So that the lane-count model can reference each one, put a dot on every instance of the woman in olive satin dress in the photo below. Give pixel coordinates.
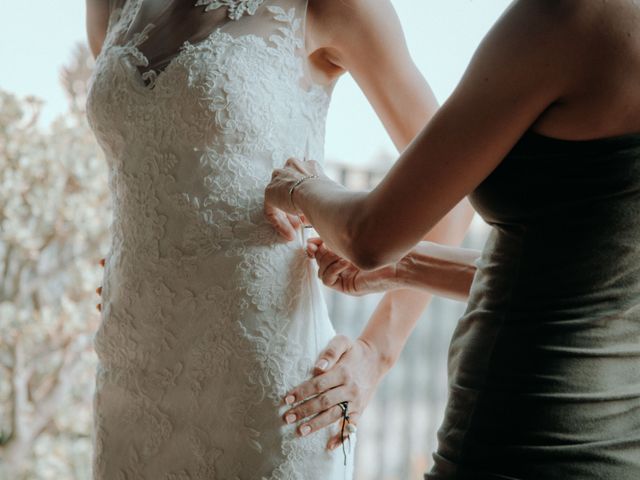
(543, 135)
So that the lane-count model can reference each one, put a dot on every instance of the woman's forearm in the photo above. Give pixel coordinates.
(438, 269)
(332, 209)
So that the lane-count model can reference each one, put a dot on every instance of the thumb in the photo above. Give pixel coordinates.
(312, 246)
(337, 347)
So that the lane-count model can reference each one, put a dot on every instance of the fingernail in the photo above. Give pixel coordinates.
(290, 399)
(322, 364)
(290, 418)
(99, 307)
(304, 430)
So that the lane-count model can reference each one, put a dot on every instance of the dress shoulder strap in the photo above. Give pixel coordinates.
(121, 15)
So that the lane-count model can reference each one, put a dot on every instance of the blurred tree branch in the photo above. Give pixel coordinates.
(54, 217)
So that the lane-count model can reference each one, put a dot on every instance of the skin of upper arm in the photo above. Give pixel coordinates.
(97, 20)
(524, 64)
(365, 38)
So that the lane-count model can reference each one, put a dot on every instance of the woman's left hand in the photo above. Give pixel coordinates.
(282, 179)
(346, 371)
(284, 223)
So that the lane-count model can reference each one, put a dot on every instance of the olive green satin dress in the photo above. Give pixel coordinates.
(544, 366)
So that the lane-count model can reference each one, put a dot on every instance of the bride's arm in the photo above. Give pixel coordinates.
(365, 38)
(96, 24)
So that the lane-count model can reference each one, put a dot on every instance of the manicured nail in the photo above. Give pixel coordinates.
(102, 262)
(290, 399)
(290, 418)
(304, 430)
(99, 307)
(322, 364)
(99, 290)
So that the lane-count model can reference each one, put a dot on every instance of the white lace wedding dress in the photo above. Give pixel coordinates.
(208, 317)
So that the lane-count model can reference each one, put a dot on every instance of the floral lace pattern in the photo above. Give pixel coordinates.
(208, 318)
(235, 8)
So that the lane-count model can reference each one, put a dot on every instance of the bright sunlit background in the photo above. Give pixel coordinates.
(53, 193)
(36, 38)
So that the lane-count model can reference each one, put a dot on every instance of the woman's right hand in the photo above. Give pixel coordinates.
(343, 276)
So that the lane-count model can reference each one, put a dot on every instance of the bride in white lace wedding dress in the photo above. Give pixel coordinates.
(206, 314)
(208, 317)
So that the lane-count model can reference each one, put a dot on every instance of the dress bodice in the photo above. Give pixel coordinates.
(244, 86)
(192, 146)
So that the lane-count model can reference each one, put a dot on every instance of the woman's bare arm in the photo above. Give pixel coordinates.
(529, 60)
(437, 269)
(96, 24)
(364, 37)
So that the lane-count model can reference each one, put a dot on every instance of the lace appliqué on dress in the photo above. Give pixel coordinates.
(236, 8)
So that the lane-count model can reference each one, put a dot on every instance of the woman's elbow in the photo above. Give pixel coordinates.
(367, 249)
(367, 245)
(367, 260)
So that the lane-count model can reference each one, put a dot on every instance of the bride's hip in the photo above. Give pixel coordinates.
(264, 293)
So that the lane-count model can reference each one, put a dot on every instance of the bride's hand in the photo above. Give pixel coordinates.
(277, 193)
(341, 275)
(346, 371)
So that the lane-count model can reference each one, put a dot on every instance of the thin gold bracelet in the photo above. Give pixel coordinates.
(295, 185)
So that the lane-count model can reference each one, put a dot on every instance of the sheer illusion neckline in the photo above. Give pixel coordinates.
(151, 81)
(156, 76)
(147, 80)
(138, 79)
